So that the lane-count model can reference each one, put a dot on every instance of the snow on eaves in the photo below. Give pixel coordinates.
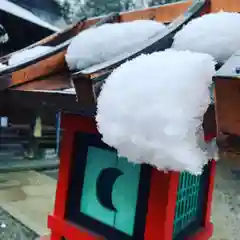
(25, 55)
(214, 33)
(16, 10)
(151, 109)
(28, 54)
(2, 66)
(69, 90)
(96, 45)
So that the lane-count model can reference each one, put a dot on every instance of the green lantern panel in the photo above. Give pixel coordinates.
(117, 207)
(107, 193)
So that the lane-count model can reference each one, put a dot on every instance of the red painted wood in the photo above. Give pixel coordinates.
(212, 174)
(208, 207)
(70, 123)
(55, 236)
(69, 231)
(209, 137)
(207, 8)
(64, 173)
(204, 233)
(161, 205)
(79, 123)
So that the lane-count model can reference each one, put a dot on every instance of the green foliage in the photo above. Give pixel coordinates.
(102, 7)
(72, 10)
(161, 2)
(66, 11)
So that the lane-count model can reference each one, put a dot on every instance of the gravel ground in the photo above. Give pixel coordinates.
(11, 229)
(226, 207)
(226, 201)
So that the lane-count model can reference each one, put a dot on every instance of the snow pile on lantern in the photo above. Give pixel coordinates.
(96, 45)
(215, 34)
(28, 54)
(151, 109)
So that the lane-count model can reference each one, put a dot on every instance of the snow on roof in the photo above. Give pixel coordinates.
(151, 109)
(96, 45)
(28, 54)
(69, 90)
(54, 91)
(24, 14)
(214, 33)
(2, 66)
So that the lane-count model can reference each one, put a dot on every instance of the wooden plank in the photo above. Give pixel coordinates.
(30, 199)
(227, 6)
(46, 66)
(227, 96)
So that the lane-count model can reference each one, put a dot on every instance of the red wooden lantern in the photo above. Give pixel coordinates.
(133, 202)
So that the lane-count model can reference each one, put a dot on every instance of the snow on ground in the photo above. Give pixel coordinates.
(14, 9)
(213, 33)
(28, 54)
(96, 45)
(156, 107)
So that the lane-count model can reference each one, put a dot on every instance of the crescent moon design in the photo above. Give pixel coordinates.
(104, 188)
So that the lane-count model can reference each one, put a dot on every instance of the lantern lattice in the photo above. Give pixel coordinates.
(189, 204)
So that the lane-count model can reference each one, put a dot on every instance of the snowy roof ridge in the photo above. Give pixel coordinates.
(24, 14)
